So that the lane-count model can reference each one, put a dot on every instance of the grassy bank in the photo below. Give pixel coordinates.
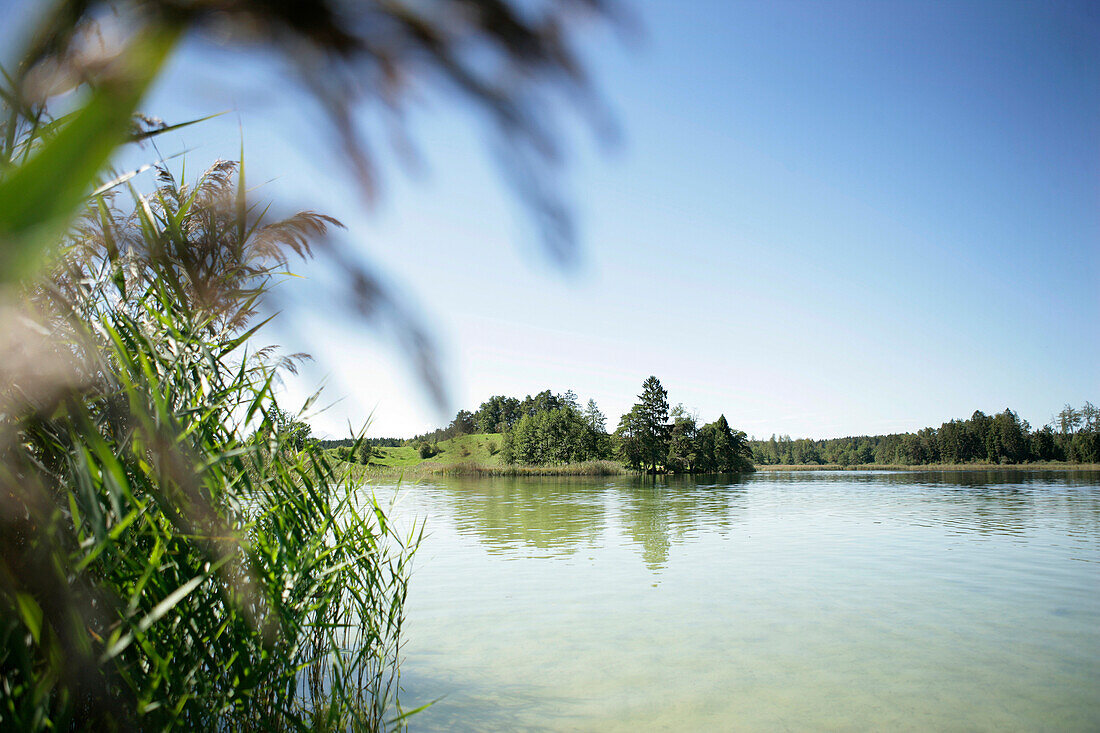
(468, 455)
(474, 468)
(1037, 466)
(482, 448)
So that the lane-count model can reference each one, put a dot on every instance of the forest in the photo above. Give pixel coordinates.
(555, 429)
(1073, 436)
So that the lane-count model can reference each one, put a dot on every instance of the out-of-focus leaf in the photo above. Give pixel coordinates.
(31, 614)
(39, 198)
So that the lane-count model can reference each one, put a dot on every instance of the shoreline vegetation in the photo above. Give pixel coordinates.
(613, 468)
(922, 467)
(478, 455)
(181, 556)
(476, 468)
(552, 435)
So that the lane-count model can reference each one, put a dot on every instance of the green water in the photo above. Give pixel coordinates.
(826, 601)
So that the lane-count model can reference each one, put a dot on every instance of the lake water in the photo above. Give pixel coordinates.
(780, 601)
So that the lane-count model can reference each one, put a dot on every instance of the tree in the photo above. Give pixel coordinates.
(1009, 438)
(1069, 420)
(599, 442)
(953, 442)
(1090, 416)
(731, 453)
(497, 414)
(629, 438)
(595, 419)
(367, 451)
(291, 430)
(643, 432)
(682, 441)
(463, 424)
(542, 402)
(1043, 445)
(569, 400)
(556, 435)
(1085, 446)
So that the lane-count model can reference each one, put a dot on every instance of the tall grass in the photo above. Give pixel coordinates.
(978, 466)
(167, 558)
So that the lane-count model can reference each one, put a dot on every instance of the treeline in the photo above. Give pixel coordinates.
(1073, 435)
(376, 442)
(647, 440)
(550, 428)
(498, 414)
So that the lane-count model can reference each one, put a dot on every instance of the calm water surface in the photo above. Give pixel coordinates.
(838, 601)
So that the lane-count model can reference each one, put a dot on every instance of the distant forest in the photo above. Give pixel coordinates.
(348, 442)
(549, 428)
(1073, 435)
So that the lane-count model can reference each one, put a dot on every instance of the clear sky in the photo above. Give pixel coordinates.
(823, 219)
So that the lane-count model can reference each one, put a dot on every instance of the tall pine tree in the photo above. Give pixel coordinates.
(643, 432)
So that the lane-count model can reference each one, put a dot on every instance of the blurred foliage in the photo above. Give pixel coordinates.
(510, 62)
(174, 551)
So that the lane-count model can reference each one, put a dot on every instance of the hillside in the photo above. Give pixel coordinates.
(477, 454)
(482, 448)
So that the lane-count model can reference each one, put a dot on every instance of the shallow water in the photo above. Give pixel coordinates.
(825, 600)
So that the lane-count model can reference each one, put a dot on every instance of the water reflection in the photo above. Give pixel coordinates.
(556, 516)
(1007, 502)
(825, 600)
(1051, 479)
(655, 512)
(552, 515)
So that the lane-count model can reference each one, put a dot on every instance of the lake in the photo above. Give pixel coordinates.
(797, 600)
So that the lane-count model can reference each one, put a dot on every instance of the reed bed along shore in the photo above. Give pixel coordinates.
(173, 555)
(477, 468)
(357, 472)
(1037, 466)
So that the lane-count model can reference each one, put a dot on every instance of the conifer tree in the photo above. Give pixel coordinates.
(595, 418)
(643, 431)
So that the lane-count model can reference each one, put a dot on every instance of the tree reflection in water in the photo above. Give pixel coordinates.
(556, 516)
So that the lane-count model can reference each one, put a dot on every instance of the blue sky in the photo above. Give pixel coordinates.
(823, 219)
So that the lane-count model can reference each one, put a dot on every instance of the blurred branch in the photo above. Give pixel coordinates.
(507, 60)
(513, 63)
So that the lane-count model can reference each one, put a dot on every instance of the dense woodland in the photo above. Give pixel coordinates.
(1073, 435)
(646, 439)
(349, 442)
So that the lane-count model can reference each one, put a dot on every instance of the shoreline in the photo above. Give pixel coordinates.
(1038, 466)
(613, 468)
(475, 468)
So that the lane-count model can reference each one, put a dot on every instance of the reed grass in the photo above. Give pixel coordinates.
(168, 559)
